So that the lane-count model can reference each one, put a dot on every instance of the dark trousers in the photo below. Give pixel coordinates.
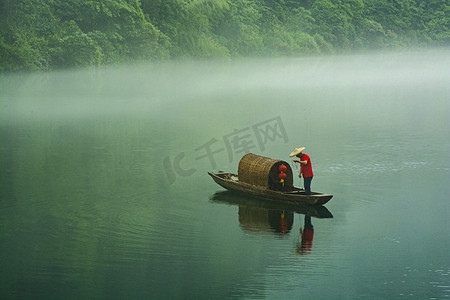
(307, 182)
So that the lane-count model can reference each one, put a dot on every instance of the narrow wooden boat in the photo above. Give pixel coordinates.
(290, 194)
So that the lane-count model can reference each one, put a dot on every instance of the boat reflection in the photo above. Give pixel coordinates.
(259, 215)
(256, 219)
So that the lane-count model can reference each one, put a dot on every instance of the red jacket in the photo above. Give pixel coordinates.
(306, 170)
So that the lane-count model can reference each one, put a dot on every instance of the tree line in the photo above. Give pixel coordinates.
(51, 34)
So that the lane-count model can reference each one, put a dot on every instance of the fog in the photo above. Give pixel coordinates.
(167, 88)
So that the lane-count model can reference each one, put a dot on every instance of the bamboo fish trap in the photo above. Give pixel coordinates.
(262, 171)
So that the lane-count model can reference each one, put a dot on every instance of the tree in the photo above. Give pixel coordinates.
(239, 30)
(46, 34)
(333, 22)
(58, 33)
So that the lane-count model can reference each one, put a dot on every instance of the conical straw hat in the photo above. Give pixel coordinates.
(297, 151)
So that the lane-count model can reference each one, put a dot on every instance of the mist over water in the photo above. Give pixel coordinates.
(104, 191)
(150, 88)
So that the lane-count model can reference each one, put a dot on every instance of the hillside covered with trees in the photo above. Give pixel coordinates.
(52, 34)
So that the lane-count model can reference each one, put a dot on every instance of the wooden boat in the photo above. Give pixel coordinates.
(290, 194)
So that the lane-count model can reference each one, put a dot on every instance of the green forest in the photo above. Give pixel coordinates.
(54, 34)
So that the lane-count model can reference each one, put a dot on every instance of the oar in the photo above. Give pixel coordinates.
(297, 169)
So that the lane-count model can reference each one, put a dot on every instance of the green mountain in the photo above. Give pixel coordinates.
(52, 34)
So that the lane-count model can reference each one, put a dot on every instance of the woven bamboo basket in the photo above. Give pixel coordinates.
(262, 171)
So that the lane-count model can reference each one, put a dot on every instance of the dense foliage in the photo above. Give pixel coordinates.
(48, 34)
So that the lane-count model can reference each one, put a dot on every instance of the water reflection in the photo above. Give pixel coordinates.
(304, 245)
(256, 219)
(227, 197)
(262, 216)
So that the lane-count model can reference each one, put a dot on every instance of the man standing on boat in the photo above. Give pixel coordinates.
(305, 168)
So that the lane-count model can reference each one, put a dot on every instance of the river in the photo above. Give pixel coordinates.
(105, 192)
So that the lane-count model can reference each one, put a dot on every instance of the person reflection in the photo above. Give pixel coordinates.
(307, 234)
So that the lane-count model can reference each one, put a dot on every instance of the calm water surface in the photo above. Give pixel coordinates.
(105, 192)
